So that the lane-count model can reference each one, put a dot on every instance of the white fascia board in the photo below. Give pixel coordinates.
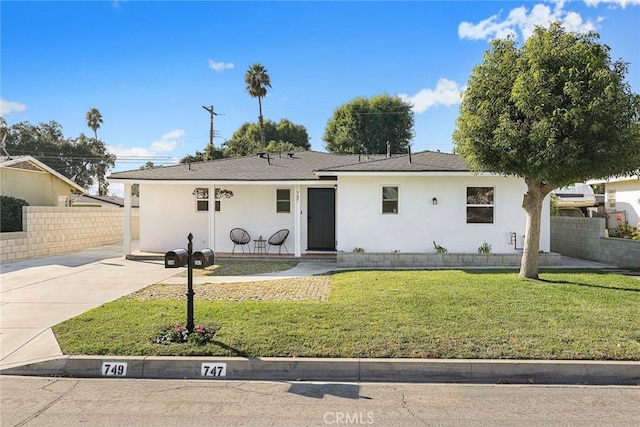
(196, 182)
(614, 179)
(400, 173)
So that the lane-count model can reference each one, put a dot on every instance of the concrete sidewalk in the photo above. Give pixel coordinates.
(39, 293)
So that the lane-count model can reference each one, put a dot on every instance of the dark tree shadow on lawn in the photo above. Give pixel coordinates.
(233, 350)
(589, 285)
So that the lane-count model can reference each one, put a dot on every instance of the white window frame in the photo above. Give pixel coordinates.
(202, 196)
(396, 200)
(288, 200)
(611, 197)
(491, 205)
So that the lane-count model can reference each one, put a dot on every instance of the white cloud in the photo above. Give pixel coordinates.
(121, 151)
(622, 3)
(220, 66)
(523, 21)
(8, 107)
(168, 141)
(446, 93)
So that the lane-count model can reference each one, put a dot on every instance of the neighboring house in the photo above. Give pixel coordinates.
(332, 202)
(27, 178)
(622, 195)
(87, 200)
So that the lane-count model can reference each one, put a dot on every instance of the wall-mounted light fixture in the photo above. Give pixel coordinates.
(434, 201)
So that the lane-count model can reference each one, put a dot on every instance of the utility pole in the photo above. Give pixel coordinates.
(213, 113)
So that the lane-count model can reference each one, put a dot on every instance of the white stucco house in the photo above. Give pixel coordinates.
(622, 194)
(331, 202)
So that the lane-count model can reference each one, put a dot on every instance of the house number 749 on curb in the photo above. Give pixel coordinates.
(213, 370)
(114, 369)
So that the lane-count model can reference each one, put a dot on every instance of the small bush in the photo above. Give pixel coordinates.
(11, 213)
(484, 248)
(625, 231)
(439, 249)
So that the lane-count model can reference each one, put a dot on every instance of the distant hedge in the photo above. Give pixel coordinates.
(11, 213)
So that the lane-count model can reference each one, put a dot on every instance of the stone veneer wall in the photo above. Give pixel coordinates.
(425, 260)
(53, 230)
(586, 238)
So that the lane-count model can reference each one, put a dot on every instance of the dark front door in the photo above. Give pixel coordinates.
(321, 219)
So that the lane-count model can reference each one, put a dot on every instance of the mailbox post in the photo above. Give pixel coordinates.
(186, 257)
(190, 293)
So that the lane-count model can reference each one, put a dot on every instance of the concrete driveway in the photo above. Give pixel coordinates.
(37, 294)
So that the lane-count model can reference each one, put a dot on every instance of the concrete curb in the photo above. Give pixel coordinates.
(344, 370)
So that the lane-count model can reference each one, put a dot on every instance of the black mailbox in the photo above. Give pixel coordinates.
(203, 258)
(176, 258)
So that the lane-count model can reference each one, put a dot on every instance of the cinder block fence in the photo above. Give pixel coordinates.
(53, 230)
(585, 238)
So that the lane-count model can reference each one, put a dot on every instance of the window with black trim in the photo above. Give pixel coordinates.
(283, 201)
(389, 200)
(480, 205)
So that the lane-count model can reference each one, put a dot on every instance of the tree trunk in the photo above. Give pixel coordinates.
(262, 137)
(532, 204)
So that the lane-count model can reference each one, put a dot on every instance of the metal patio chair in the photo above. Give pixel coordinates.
(240, 237)
(277, 239)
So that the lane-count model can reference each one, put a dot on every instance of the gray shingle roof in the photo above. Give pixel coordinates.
(301, 166)
(424, 161)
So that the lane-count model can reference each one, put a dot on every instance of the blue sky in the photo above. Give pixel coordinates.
(149, 67)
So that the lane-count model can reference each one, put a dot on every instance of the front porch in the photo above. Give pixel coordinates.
(228, 256)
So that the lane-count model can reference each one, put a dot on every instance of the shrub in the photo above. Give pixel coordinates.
(439, 249)
(11, 213)
(485, 248)
(625, 231)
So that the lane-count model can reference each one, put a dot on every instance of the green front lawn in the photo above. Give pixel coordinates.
(423, 314)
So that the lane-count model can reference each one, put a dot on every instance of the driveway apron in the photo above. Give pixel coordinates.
(39, 293)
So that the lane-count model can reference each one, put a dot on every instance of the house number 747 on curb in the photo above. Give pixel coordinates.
(213, 370)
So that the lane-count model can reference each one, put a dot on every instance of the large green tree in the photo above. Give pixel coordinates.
(258, 81)
(247, 139)
(83, 160)
(367, 125)
(554, 111)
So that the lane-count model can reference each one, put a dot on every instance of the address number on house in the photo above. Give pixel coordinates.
(213, 370)
(114, 369)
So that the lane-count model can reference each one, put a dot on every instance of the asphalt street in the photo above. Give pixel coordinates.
(34, 401)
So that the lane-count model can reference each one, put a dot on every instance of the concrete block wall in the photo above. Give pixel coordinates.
(430, 260)
(585, 238)
(49, 230)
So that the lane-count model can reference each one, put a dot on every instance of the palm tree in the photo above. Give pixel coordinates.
(258, 81)
(94, 120)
